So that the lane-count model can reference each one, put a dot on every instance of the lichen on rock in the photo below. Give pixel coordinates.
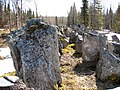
(34, 50)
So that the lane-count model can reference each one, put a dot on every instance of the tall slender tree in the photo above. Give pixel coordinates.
(84, 13)
(21, 14)
(72, 16)
(110, 18)
(9, 15)
(1, 12)
(36, 8)
(116, 21)
(106, 20)
(56, 20)
(96, 15)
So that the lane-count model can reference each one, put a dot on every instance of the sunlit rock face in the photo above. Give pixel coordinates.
(34, 50)
(90, 48)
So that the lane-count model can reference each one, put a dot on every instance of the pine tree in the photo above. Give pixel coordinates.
(33, 15)
(72, 16)
(116, 22)
(56, 20)
(24, 16)
(78, 18)
(29, 14)
(106, 20)
(1, 11)
(96, 15)
(84, 13)
(110, 18)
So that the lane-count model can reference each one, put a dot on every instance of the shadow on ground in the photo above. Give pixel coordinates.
(84, 69)
(105, 85)
(77, 54)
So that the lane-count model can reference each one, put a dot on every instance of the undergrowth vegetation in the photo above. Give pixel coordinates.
(69, 49)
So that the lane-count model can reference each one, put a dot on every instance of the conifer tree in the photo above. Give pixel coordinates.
(116, 22)
(1, 11)
(84, 13)
(96, 15)
(106, 20)
(72, 16)
(110, 18)
(29, 13)
(56, 20)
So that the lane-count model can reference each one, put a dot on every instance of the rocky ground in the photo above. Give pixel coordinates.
(75, 74)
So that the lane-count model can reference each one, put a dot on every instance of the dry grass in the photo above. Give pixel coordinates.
(68, 49)
(1, 57)
(9, 74)
(72, 80)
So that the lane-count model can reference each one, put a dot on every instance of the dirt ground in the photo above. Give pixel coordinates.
(76, 75)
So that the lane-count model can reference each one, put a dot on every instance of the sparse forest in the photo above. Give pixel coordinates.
(94, 17)
(91, 14)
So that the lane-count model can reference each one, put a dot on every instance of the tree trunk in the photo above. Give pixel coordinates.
(21, 15)
(9, 18)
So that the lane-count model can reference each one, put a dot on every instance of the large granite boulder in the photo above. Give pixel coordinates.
(34, 50)
(90, 48)
(108, 66)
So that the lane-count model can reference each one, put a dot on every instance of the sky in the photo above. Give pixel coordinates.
(62, 7)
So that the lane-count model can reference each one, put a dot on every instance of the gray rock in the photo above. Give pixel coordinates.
(78, 44)
(63, 42)
(116, 48)
(115, 38)
(108, 66)
(90, 48)
(73, 37)
(34, 50)
(67, 31)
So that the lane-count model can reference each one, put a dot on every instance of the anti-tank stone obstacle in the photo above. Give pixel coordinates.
(34, 49)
